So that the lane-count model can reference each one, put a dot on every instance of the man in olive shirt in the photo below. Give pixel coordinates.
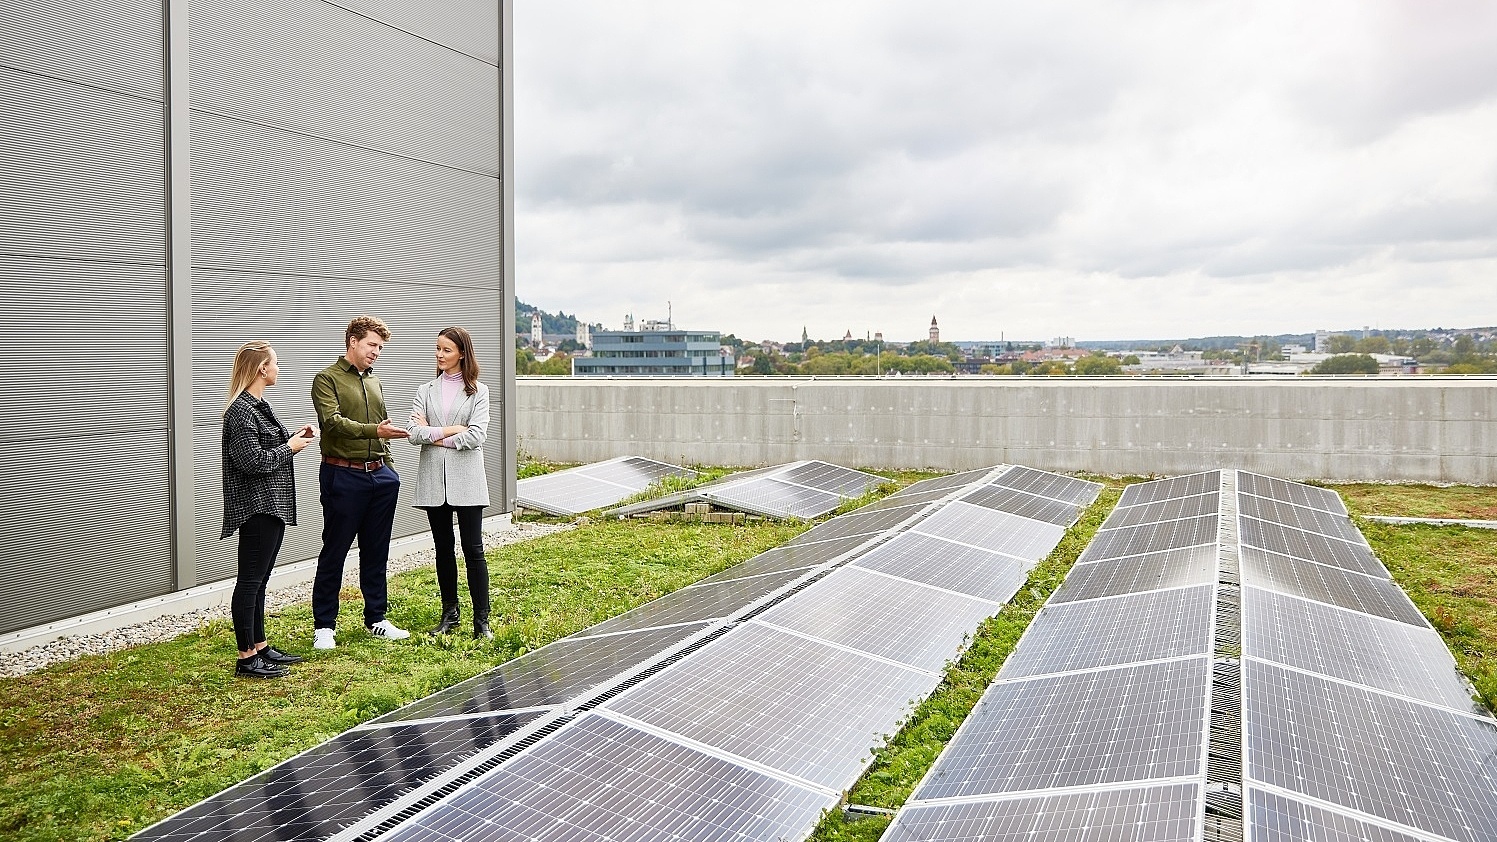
(359, 488)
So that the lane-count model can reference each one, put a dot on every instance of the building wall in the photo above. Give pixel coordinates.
(317, 162)
(1402, 430)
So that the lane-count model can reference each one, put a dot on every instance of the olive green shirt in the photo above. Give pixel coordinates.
(349, 408)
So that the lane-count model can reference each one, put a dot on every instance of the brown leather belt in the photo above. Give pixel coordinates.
(366, 467)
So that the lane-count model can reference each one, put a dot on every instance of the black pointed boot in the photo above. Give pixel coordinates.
(449, 620)
(481, 629)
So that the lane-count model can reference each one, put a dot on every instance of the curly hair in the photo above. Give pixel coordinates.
(361, 325)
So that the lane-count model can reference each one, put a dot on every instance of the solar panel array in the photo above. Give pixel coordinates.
(735, 708)
(1096, 727)
(805, 490)
(1227, 660)
(582, 489)
(1356, 723)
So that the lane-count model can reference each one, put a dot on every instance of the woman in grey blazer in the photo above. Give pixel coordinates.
(449, 422)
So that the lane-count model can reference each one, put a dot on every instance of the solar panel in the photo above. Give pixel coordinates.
(865, 522)
(1291, 492)
(699, 603)
(1152, 571)
(1174, 508)
(800, 706)
(944, 483)
(1312, 546)
(893, 618)
(997, 532)
(1418, 765)
(949, 565)
(601, 779)
(1182, 486)
(554, 674)
(1300, 517)
(1108, 632)
(1151, 538)
(1275, 818)
(1023, 504)
(1322, 583)
(792, 556)
(581, 489)
(1405, 659)
(1077, 492)
(771, 497)
(844, 482)
(1139, 814)
(1079, 729)
(320, 791)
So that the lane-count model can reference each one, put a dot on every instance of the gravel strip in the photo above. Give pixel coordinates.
(174, 625)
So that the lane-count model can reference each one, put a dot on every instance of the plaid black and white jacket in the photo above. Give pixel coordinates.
(258, 477)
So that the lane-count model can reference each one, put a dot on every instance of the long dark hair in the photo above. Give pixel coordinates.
(468, 365)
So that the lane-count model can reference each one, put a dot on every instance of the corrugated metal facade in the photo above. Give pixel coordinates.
(344, 159)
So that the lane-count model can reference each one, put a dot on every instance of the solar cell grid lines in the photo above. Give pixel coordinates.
(1159, 511)
(949, 565)
(601, 779)
(864, 522)
(1151, 571)
(1407, 660)
(554, 674)
(322, 790)
(581, 489)
(1418, 765)
(998, 532)
(1023, 504)
(1096, 633)
(1151, 538)
(1077, 492)
(792, 556)
(773, 497)
(806, 490)
(1129, 723)
(1310, 546)
(715, 601)
(1299, 517)
(1290, 492)
(1275, 818)
(1328, 584)
(1188, 485)
(804, 707)
(913, 624)
(1139, 814)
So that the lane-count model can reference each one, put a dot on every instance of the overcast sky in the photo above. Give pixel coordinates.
(1091, 168)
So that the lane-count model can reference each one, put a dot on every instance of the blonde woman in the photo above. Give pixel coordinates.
(259, 500)
(449, 421)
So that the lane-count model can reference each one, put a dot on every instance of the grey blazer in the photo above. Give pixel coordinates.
(452, 475)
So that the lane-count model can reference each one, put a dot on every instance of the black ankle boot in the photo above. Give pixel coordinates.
(450, 616)
(481, 629)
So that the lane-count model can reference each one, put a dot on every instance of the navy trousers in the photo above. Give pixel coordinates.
(355, 504)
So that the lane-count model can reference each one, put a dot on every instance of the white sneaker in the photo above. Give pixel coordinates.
(323, 639)
(388, 631)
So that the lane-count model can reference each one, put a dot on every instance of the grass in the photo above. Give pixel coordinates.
(100, 747)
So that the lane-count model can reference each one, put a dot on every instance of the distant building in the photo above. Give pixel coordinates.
(1322, 341)
(935, 331)
(537, 338)
(656, 353)
(584, 334)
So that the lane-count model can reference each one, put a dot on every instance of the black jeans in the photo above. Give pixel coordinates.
(355, 504)
(259, 542)
(470, 527)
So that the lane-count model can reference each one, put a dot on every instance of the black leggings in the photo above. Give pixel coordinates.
(259, 542)
(470, 526)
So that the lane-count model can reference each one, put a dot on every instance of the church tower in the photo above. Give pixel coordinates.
(535, 328)
(935, 332)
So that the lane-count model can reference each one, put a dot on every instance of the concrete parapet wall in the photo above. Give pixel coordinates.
(1423, 429)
